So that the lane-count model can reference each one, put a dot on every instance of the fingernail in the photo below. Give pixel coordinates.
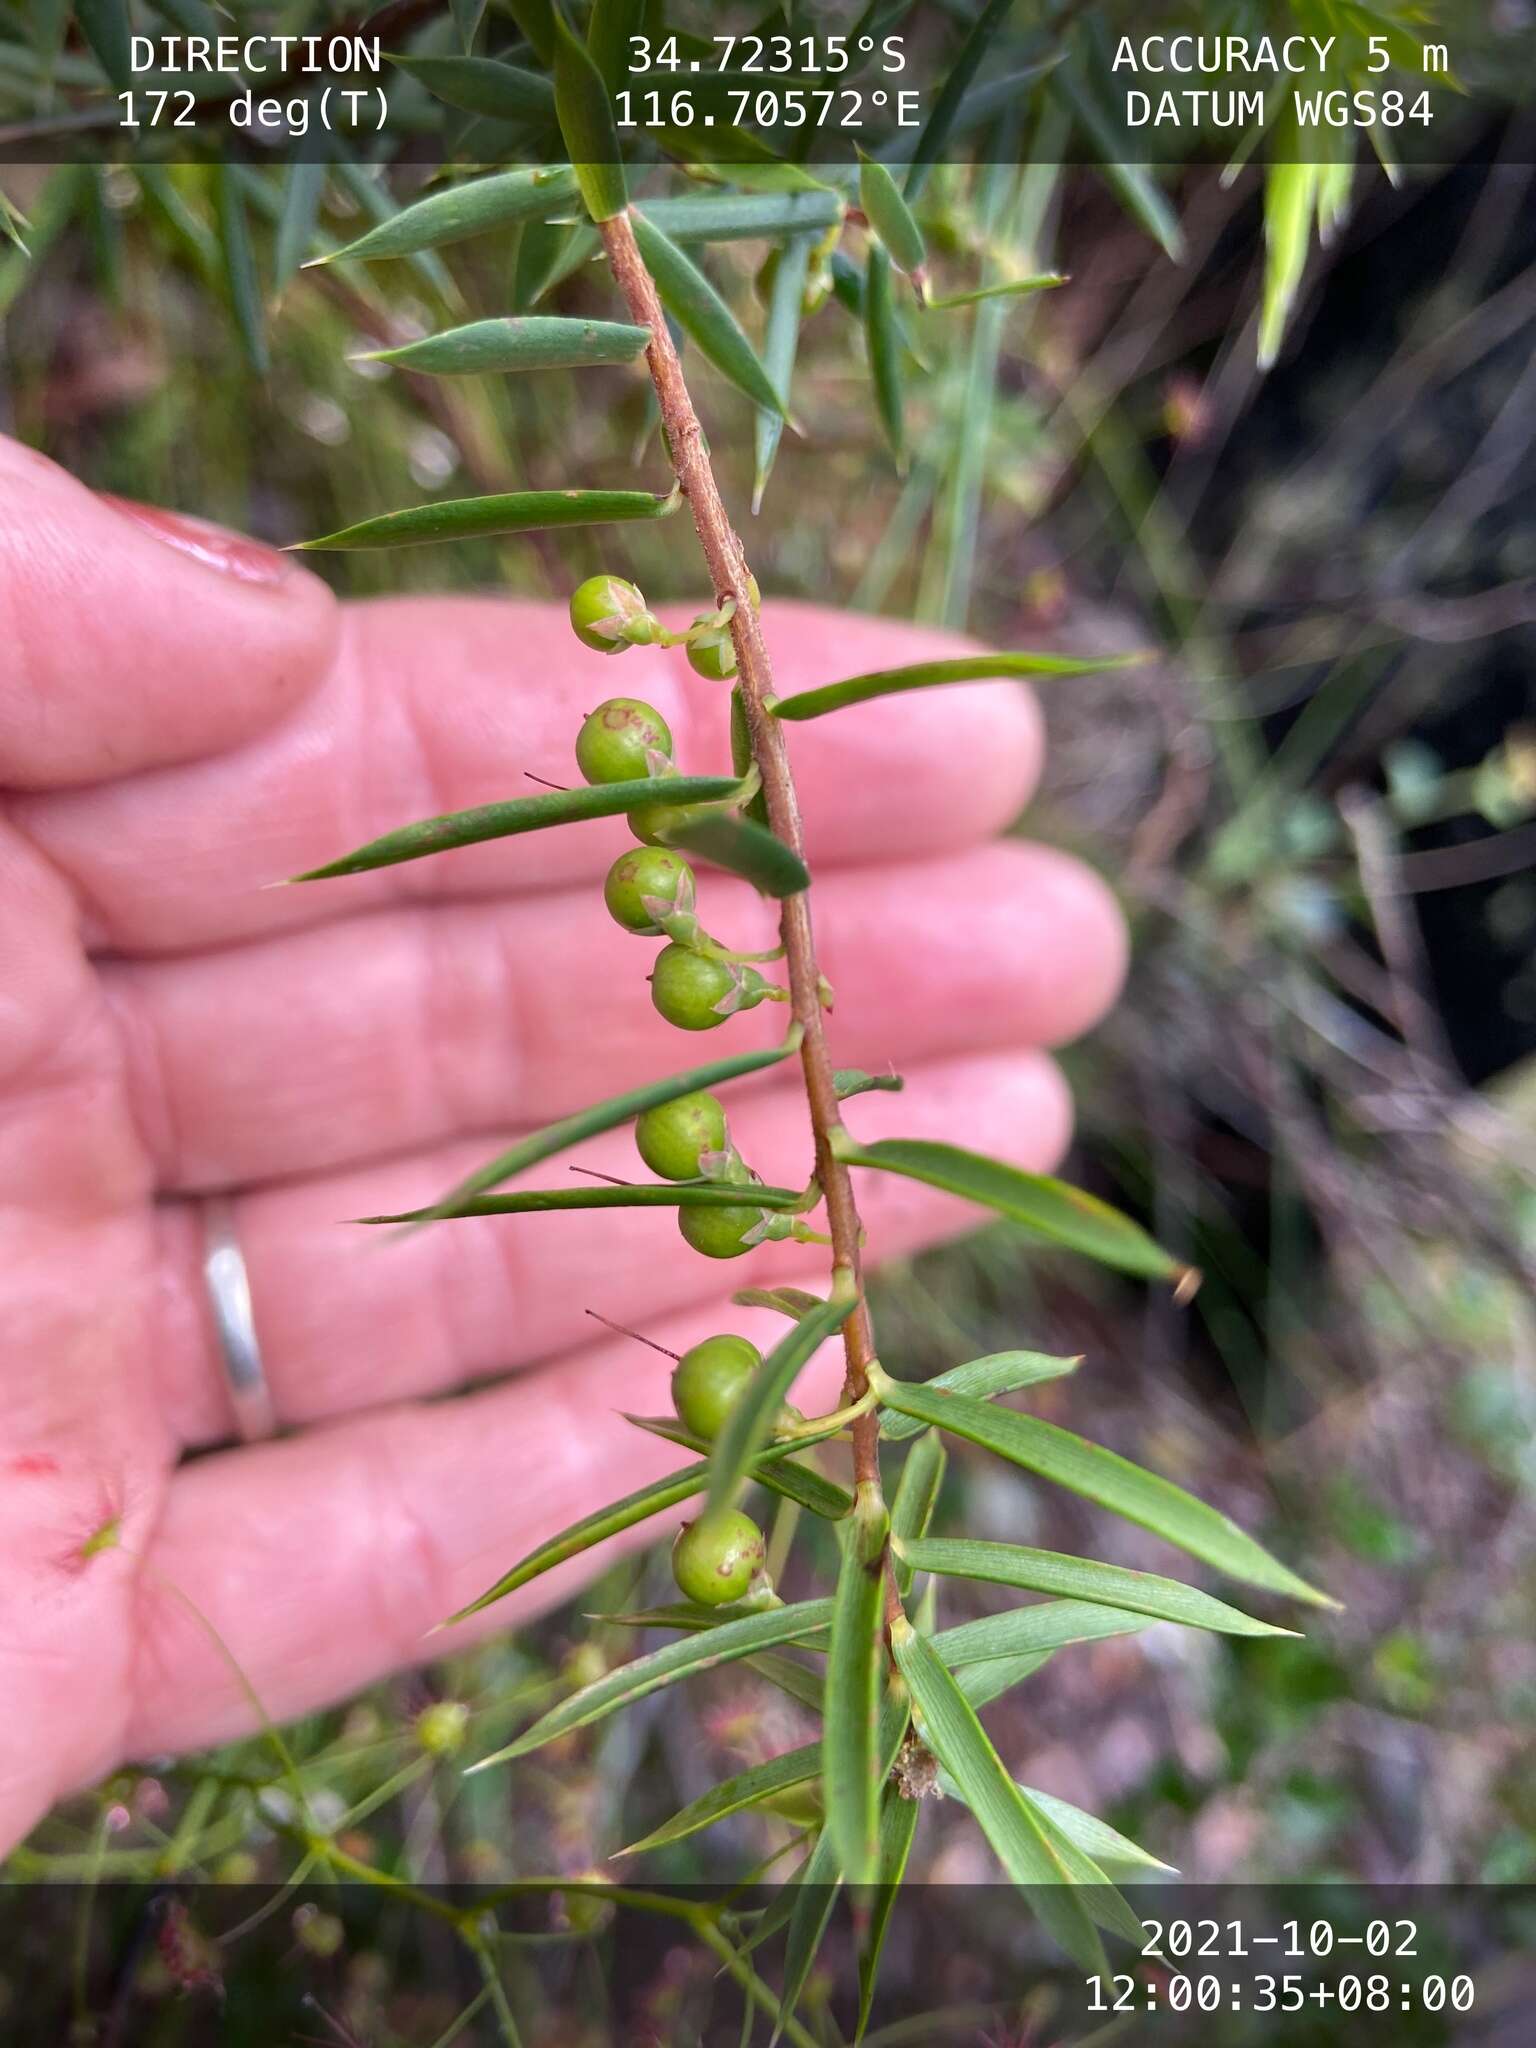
(232, 554)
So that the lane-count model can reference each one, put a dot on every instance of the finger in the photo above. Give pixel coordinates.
(351, 1318)
(131, 637)
(383, 1033)
(437, 704)
(318, 1565)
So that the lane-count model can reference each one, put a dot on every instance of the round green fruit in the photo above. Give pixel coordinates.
(696, 993)
(643, 883)
(716, 1558)
(673, 1137)
(609, 614)
(719, 1232)
(710, 1379)
(713, 654)
(623, 741)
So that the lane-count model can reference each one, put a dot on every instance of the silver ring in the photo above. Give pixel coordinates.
(229, 1296)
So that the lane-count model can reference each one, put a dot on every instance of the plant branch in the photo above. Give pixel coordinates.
(728, 569)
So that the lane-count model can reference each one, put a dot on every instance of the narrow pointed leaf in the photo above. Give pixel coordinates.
(1065, 1215)
(793, 1302)
(604, 1522)
(1115, 1854)
(1000, 1372)
(742, 759)
(751, 1421)
(1103, 1904)
(609, 28)
(851, 1081)
(755, 167)
(1011, 288)
(957, 81)
(883, 340)
(1081, 1578)
(518, 814)
(835, 1500)
(785, 1773)
(595, 1528)
(303, 189)
(923, 675)
(466, 20)
(540, 1201)
(378, 202)
(917, 1494)
(849, 1732)
(586, 123)
(1289, 194)
(898, 1826)
(104, 24)
(703, 315)
(643, 1675)
(1106, 1478)
(686, 1614)
(958, 1740)
(1132, 183)
(744, 216)
(889, 215)
(539, 342)
(239, 260)
(790, 1677)
(482, 85)
(474, 207)
(799, 1483)
(749, 1788)
(727, 840)
(607, 1115)
(536, 19)
(507, 512)
(781, 343)
(812, 1898)
(987, 1681)
(547, 254)
(1049, 1625)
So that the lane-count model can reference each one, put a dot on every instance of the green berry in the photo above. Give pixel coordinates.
(622, 741)
(442, 1727)
(673, 1137)
(712, 653)
(710, 1379)
(696, 993)
(716, 1558)
(651, 823)
(720, 1233)
(647, 883)
(609, 615)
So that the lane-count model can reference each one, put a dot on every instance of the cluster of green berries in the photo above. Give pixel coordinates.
(688, 1139)
(720, 1556)
(651, 892)
(695, 984)
(610, 615)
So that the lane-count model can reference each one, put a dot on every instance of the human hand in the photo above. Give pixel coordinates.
(184, 717)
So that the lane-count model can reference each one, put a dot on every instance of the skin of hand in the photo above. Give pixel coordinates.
(185, 717)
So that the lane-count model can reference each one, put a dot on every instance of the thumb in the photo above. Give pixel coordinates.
(132, 636)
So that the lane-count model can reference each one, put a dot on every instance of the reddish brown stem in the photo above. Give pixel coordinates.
(728, 569)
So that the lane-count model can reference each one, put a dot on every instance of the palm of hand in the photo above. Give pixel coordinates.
(184, 718)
